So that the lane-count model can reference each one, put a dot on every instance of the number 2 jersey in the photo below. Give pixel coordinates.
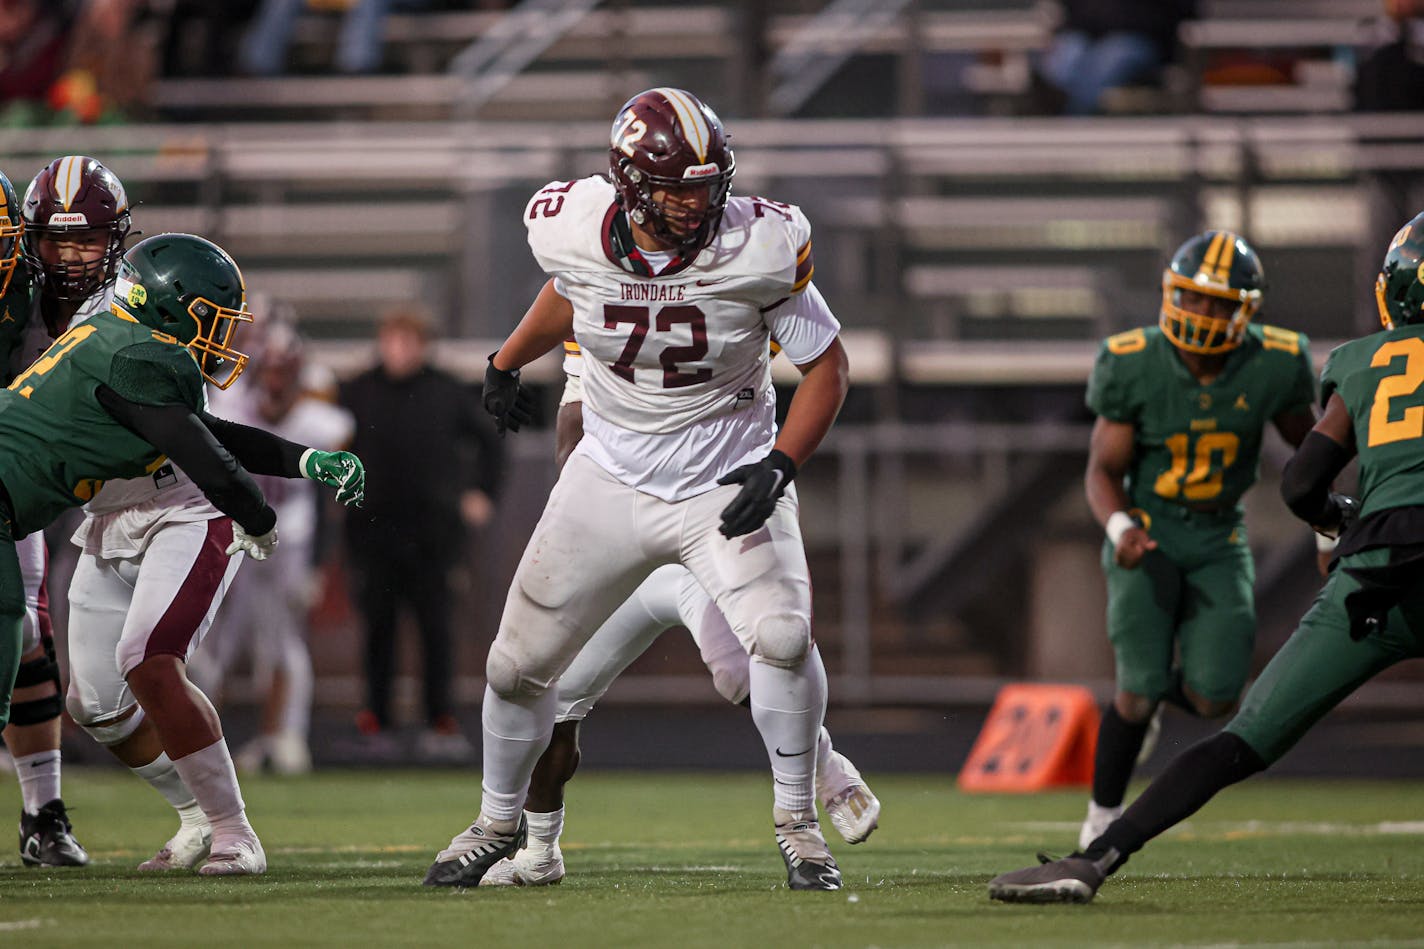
(1196, 444)
(676, 377)
(58, 445)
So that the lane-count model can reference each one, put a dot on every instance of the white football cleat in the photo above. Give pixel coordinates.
(528, 867)
(852, 807)
(184, 851)
(240, 856)
(809, 864)
(288, 753)
(1096, 822)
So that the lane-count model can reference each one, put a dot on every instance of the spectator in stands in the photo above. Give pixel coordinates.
(1390, 78)
(33, 37)
(432, 466)
(359, 49)
(1104, 44)
(201, 36)
(110, 64)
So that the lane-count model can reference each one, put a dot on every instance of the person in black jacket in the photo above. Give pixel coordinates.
(1103, 44)
(432, 463)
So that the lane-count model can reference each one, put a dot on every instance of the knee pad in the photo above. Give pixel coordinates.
(782, 639)
(730, 674)
(505, 677)
(108, 731)
(32, 673)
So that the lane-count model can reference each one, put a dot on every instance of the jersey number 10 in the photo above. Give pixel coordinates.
(1203, 482)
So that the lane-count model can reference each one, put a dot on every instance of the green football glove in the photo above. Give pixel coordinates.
(337, 469)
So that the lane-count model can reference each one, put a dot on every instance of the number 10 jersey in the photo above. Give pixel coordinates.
(676, 372)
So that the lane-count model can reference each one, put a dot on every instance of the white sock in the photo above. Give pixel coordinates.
(210, 775)
(39, 779)
(545, 829)
(515, 735)
(787, 707)
(162, 776)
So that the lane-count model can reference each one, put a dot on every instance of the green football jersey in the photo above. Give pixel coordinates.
(15, 308)
(57, 443)
(1381, 380)
(1197, 444)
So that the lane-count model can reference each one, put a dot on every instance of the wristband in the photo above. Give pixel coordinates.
(1118, 524)
(306, 472)
(1325, 544)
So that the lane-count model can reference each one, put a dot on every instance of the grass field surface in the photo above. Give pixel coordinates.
(689, 860)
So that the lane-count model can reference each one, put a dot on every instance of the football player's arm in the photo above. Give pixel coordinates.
(546, 324)
(1295, 424)
(175, 431)
(1322, 455)
(1109, 455)
(825, 381)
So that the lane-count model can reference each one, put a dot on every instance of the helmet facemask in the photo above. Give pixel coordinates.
(1200, 333)
(11, 237)
(218, 360)
(661, 219)
(71, 281)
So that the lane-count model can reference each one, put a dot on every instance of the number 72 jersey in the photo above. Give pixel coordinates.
(1195, 444)
(1381, 380)
(689, 343)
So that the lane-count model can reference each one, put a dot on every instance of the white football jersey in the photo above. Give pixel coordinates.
(676, 362)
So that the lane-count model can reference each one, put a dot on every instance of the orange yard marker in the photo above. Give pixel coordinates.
(1036, 737)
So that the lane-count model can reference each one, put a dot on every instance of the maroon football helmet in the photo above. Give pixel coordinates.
(77, 198)
(667, 139)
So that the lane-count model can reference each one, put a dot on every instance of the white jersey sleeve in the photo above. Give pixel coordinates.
(803, 326)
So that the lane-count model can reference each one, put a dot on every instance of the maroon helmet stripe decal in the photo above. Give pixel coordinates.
(175, 630)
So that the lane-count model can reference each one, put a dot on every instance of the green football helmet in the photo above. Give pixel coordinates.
(1399, 288)
(190, 289)
(1216, 264)
(12, 228)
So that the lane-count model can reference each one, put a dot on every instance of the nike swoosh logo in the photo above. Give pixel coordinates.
(782, 754)
(708, 283)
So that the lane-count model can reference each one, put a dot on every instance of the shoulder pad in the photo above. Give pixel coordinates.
(564, 220)
(157, 373)
(779, 231)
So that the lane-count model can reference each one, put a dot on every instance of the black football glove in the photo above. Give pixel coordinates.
(504, 398)
(763, 482)
(1347, 510)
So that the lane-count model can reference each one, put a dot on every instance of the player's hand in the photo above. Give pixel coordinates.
(1132, 546)
(1346, 509)
(504, 398)
(340, 470)
(763, 482)
(258, 547)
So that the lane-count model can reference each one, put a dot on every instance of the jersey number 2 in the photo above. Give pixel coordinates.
(52, 356)
(1410, 424)
(673, 378)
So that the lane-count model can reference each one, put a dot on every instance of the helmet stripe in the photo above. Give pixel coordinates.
(1207, 268)
(1223, 262)
(689, 117)
(69, 175)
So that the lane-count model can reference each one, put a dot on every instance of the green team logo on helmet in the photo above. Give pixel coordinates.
(1399, 288)
(190, 289)
(1216, 264)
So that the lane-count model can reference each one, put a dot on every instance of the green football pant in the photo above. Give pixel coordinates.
(1191, 596)
(1320, 664)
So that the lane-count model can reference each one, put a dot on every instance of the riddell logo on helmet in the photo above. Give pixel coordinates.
(64, 219)
(702, 171)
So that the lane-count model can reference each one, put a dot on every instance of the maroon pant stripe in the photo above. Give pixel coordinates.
(179, 623)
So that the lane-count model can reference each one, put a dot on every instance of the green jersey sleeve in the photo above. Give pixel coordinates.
(157, 373)
(1111, 393)
(1330, 375)
(1301, 390)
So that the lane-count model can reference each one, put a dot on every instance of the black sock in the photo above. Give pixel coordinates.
(1191, 779)
(1119, 741)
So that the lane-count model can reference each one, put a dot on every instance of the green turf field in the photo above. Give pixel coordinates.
(688, 860)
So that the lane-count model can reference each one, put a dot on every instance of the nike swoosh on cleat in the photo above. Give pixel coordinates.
(797, 754)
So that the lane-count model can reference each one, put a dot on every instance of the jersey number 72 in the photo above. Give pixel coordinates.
(640, 317)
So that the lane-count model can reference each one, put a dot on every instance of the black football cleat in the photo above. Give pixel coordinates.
(473, 852)
(47, 838)
(1072, 879)
(809, 864)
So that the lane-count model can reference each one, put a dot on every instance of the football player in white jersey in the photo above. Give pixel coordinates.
(672, 289)
(266, 609)
(669, 597)
(155, 558)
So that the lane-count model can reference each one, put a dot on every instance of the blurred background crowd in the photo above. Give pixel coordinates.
(994, 187)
